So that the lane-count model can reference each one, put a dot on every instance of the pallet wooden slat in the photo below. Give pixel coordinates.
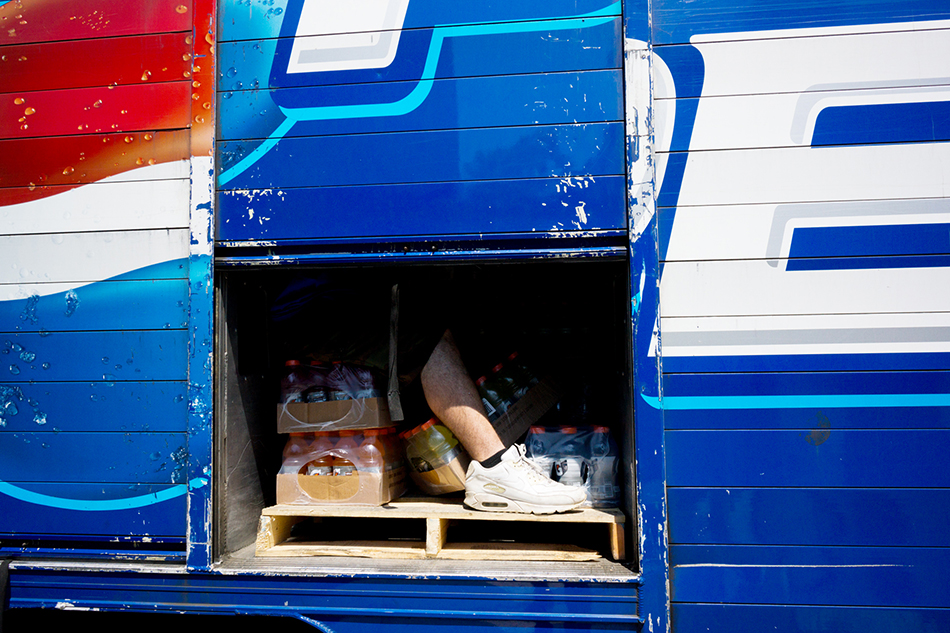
(274, 537)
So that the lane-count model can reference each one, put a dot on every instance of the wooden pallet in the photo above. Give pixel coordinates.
(274, 534)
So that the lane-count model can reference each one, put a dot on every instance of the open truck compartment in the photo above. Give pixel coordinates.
(565, 318)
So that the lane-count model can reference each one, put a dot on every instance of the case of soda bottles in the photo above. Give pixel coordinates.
(514, 398)
(580, 456)
(354, 467)
(437, 462)
(318, 397)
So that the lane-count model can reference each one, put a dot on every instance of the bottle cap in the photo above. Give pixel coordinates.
(422, 427)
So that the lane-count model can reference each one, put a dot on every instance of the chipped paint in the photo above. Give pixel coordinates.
(69, 606)
(581, 214)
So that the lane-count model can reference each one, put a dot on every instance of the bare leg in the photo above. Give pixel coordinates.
(452, 396)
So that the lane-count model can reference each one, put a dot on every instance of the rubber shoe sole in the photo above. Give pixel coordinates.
(489, 502)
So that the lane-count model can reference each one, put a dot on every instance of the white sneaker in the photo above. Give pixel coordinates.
(517, 485)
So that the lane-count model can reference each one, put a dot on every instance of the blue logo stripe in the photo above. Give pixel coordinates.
(419, 94)
(843, 401)
(93, 505)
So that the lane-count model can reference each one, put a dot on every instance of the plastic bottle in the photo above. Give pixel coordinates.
(372, 452)
(489, 398)
(297, 445)
(523, 377)
(431, 447)
(347, 454)
(604, 490)
(316, 388)
(573, 457)
(536, 446)
(337, 387)
(320, 449)
(294, 382)
(504, 385)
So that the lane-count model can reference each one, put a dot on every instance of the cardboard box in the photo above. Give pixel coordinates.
(359, 488)
(529, 409)
(337, 415)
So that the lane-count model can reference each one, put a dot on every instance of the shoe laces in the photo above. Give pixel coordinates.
(531, 470)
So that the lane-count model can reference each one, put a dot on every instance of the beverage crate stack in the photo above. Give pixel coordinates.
(343, 446)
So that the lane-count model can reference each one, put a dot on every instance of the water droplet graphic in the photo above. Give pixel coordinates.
(129, 139)
(14, 370)
(155, 456)
(188, 40)
(148, 136)
(146, 75)
(19, 101)
(27, 357)
(45, 365)
(181, 9)
(39, 417)
(72, 302)
(186, 57)
(68, 170)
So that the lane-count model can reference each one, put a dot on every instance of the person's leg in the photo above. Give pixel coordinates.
(452, 396)
(497, 480)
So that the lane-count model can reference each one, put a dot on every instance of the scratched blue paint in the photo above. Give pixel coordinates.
(562, 151)
(197, 466)
(531, 99)
(480, 207)
(418, 94)
(251, 65)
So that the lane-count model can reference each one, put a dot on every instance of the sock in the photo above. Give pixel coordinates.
(494, 460)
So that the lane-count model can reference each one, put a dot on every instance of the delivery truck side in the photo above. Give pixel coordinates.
(726, 225)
